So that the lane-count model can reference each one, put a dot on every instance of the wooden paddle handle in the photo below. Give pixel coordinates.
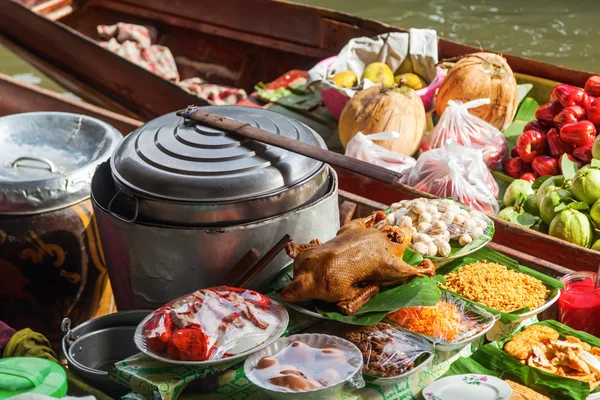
(351, 164)
(263, 262)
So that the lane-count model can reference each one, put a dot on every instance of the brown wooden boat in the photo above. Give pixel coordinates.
(236, 43)
(231, 42)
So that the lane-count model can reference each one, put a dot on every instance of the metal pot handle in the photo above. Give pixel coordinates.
(114, 214)
(65, 326)
(51, 167)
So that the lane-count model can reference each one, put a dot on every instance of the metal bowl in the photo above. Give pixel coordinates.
(93, 347)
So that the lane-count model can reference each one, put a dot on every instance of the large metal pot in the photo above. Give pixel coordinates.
(179, 204)
(51, 262)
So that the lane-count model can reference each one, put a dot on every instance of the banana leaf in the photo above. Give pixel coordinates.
(417, 292)
(525, 114)
(501, 364)
(487, 254)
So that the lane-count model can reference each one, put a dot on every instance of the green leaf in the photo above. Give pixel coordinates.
(569, 168)
(417, 292)
(283, 278)
(560, 207)
(595, 163)
(411, 257)
(526, 220)
(525, 114)
(539, 181)
(578, 205)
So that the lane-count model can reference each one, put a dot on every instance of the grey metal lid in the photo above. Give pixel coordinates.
(47, 159)
(170, 160)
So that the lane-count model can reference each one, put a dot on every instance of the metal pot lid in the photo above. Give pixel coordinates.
(172, 160)
(47, 159)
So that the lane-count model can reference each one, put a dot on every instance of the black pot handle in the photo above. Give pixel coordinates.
(120, 217)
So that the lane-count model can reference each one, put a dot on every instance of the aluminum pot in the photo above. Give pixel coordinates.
(151, 264)
(93, 347)
(179, 203)
(51, 262)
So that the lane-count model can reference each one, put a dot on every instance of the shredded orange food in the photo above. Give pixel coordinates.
(442, 321)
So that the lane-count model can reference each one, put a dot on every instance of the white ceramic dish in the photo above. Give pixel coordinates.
(315, 340)
(468, 387)
(243, 347)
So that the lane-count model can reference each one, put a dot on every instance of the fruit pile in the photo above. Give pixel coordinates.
(565, 206)
(379, 72)
(567, 125)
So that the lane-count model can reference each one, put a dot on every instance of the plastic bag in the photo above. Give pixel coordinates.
(211, 324)
(452, 320)
(388, 351)
(457, 125)
(363, 148)
(439, 225)
(458, 172)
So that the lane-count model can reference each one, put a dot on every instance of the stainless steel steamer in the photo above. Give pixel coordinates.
(180, 203)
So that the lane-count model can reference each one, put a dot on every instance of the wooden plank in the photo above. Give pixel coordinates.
(19, 97)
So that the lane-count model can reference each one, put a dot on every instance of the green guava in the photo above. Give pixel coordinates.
(596, 148)
(530, 206)
(507, 213)
(572, 226)
(596, 245)
(595, 213)
(586, 185)
(550, 201)
(514, 191)
(550, 185)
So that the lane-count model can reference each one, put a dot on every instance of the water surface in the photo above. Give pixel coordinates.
(553, 31)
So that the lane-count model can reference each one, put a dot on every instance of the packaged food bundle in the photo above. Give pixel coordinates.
(211, 324)
(363, 148)
(451, 321)
(439, 225)
(459, 126)
(459, 172)
(306, 363)
(388, 351)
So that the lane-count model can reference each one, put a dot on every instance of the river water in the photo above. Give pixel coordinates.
(553, 31)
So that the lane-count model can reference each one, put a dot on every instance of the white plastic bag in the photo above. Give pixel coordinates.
(458, 172)
(363, 148)
(457, 125)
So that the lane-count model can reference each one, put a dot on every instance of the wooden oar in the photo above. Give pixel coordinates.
(263, 262)
(230, 125)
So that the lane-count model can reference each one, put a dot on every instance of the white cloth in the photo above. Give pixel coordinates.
(418, 47)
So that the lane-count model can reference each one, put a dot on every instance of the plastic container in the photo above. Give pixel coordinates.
(579, 303)
(353, 378)
(20, 375)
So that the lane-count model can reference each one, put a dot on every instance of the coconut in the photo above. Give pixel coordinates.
(482, 76)
(572, 226)
(376, 109)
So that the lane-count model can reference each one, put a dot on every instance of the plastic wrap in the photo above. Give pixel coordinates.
(387, 351)
(211, 324)
(441, 227)
(451, 321)
(307, 366)
(458, 172)
(363, 148)
(459, 126)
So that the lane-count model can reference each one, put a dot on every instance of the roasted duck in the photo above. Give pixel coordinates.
(350, 269)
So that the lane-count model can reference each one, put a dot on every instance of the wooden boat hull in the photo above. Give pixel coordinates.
(258, 41)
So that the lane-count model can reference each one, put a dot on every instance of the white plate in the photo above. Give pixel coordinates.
(243, 347)
(468, 387)
(549, 302)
